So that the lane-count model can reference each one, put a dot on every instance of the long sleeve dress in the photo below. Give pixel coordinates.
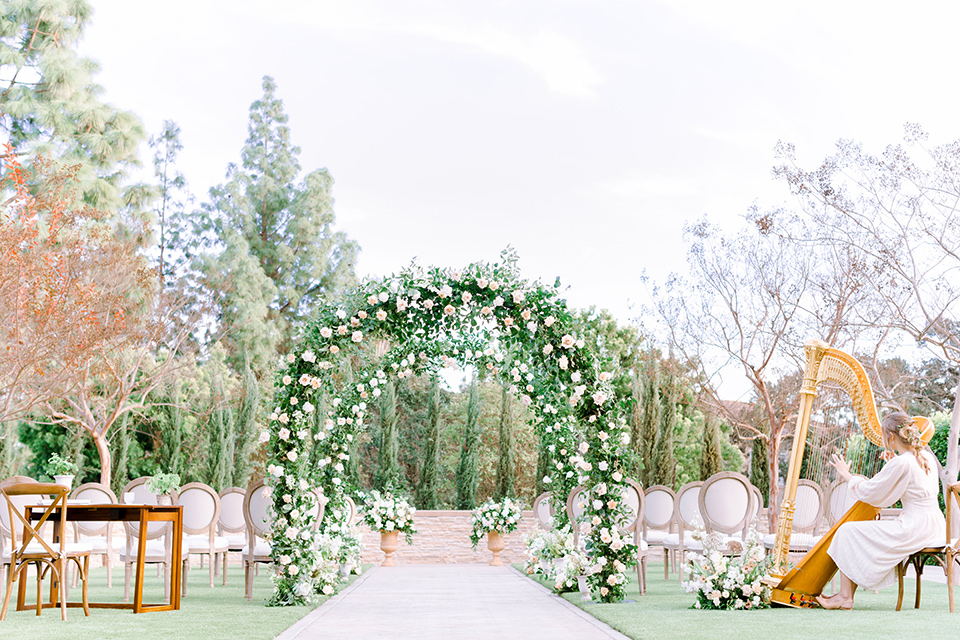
(868, 552)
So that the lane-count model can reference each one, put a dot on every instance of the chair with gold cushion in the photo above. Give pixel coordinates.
(946, 556)
(29, 547)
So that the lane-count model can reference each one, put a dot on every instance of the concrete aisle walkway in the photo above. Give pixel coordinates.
(447, 602)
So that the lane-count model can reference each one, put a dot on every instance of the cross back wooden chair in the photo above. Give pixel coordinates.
(659, 519)
(945, 556)
(32, 548)
(544, 510)
(201, 513)
(5, 527)
(99, 535)
(231, 524)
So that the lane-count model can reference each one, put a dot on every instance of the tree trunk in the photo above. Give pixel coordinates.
(103, 448)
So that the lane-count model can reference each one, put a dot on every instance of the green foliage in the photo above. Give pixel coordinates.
(49, 102)
(169, 210)
(388, 464)
(428, 489)
(505, 461)
(665, 463)
(271, 251)
(650, 428)
(220, 438)
(711, 460)
(164, 483)
(60, 466)
(468, 471)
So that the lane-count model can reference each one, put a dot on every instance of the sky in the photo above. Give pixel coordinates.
(585, 134)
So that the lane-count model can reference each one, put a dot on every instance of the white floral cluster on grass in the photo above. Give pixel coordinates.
(729, 582)
(388, 512)
(503, 517)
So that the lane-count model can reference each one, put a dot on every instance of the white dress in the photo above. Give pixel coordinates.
(868, 552)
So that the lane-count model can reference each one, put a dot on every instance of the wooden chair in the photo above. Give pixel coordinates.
(257, 516)
(97, 534)
(634, 499)
(544, 510)
(352, 512)
(687, 515)
(6, 527)
(946, 556)
(231, 524)
(159, 535)
(49, 558)
(806, 519)
(576, 507)
(201, 514)
(659, 520)
(726, 505)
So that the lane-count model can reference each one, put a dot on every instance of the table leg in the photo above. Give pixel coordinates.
(141, 556)
(176, 571)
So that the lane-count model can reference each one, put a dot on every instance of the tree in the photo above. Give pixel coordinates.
(468, 470)
(650, 429)
(49, 103)
(507, 453)
(428, 490)
(169, 211)
(665, 463)
(271, 251)
(711, 460)
(897, 213)
(388, 465)
(71, 284)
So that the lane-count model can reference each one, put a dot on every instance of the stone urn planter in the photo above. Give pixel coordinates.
(389, 542)
(495, 544)
(584, 588)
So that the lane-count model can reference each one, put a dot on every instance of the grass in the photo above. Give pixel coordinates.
(221, 613)
(664, 612)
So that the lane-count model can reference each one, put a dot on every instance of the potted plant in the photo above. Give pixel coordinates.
(495, 519)
(62, 470)
(163, 485)
(390, 515)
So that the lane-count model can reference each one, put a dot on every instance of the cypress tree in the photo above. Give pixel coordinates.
(246, 427)
(428, 491)
(759, 467)
(219, 471)
(665, 462)
(506, 457)
(468, 471)
(120, 474)
(388, 462)
(711, 458)
(636, 423)
(650, 429)
(172, 428)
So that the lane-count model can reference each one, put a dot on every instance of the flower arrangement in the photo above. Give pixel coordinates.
(503, 517)
(164, 483)
(60, 466)
(725, 582)
(565, 575)
(387, 512)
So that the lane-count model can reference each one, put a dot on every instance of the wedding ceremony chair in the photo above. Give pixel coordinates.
(257, 516)
(543, 510)
(806, 519)
(99, 535)
(5, 527)
(201, 514)
(159, 540)
(726, 505)
(633, 498)
(28, 547)
(687, 516)
(659, 520)
(231, 524)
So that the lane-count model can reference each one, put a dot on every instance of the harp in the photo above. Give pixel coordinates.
(799, 586)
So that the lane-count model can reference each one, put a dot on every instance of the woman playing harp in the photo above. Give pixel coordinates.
(868, 552)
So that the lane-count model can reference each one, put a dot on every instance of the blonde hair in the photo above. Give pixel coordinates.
(902, 426)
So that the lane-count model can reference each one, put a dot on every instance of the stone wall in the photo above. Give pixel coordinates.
(444, 537)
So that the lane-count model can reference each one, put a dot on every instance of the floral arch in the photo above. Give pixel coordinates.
(423, 320)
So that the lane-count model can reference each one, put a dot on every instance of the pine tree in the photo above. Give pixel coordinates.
(650, 429)
(665, 463)
(506, 457)
(388, 463)
(711, 458)
(171, 223)
(272, 252)
(468, 471)
(49, 102)
(428, 490)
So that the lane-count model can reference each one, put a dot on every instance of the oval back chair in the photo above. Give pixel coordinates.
(201, 516)
(687, 516)
(99, 535)
(544, 510)
(659, 519)
(576, 507)
(258, 516)
(633, 498)
(726, 504)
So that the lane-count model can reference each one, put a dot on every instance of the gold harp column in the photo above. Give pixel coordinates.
(814, 350)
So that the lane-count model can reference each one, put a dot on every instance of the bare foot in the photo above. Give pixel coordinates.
(835, 602)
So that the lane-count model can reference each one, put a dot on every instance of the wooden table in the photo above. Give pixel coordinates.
(143, 514)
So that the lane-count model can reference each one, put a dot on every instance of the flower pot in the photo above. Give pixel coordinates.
(164, 499)
(65, 481)
(345, 569)
(495, 544)
(559, 564)
(545, 567)
(584, 588)
(389, 543)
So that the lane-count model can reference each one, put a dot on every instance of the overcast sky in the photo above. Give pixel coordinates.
(583, 133)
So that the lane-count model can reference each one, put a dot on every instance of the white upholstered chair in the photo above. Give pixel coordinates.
(687, 516)
(659, 519)
(543, 510)
(231, 524)
(99, 535)
(201, 513)
(257, 516)
(807, 518)
(727, 506)
(633, 498)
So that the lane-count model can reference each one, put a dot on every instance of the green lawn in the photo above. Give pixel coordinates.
(664, 612)
(221, 613)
